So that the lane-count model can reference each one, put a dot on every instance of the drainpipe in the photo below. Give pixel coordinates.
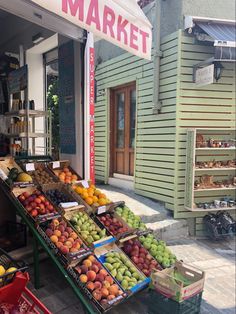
(157, 104)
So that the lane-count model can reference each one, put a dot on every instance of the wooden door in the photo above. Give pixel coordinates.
(123, 119)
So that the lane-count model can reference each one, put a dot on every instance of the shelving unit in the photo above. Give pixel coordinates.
(195, 154)
(31, 135)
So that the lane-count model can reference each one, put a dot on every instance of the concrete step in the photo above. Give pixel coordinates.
(153, 213)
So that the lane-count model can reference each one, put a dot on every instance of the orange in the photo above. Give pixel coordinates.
(68, 174)
(90, 192)
(85, 195)
(78, 190)
(65, 169)
(102, 201)
(92, 186)
(67, 180)
(74, 177)
(95, 199)
(97, 192)
(89, 200)
(102, 196)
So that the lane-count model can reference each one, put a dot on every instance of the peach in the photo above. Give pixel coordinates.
(76, 245)
(106, 284)
(64, 249)
(73, 235)
(68, 244)
(69, 230)
(92, 258)
(59, 244)
(62, 239)
(83, 278)
(97, 294)
(65, 234)
(95, 268)
(104, 292)
(90, 286)
(109, 279)
(114, 290)
(55, 222)
(54, 238)
(87, 263)
(61, 228)
(71, 240)
(103, 272)
(100, 278)
(57, 233)
(97, 285)
(91, 275)
(73, 250)
(49, 232)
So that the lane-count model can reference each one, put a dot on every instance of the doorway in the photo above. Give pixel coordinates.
(122, 130)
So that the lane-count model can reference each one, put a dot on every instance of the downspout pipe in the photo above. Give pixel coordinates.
(157, 104)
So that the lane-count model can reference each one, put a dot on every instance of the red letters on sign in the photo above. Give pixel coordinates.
(108, 21)
(93, 14)
(74, 6)
(133, 36)
(121, 29)
(145, 36)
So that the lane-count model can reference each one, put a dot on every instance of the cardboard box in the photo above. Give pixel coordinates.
(166, 284)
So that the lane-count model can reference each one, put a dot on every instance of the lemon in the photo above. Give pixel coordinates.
(2, 270)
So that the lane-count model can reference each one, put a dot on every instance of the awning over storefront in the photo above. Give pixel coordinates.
(121, 22)
(221, 32)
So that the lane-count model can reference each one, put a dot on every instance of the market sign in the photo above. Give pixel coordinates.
(121, 22)
(204, 76)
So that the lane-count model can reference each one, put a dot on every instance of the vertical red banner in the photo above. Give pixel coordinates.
(91, 113)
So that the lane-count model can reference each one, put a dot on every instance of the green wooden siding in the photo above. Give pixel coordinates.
(155, 134)
(161, 139)
(211, 106)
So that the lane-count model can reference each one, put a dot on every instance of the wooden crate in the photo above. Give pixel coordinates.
(57, 166)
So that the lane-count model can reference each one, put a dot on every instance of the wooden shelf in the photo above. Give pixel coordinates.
(25, 135)
(23, 113)
(210, 209)
(215, 169)
(214, 189)
(215, 148)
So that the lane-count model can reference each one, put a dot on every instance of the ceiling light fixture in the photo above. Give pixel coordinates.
(36, 39)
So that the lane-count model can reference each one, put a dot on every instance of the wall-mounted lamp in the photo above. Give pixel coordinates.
(36, 39)
(218, 67)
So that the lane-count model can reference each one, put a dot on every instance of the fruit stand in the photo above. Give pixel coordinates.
(104, 251)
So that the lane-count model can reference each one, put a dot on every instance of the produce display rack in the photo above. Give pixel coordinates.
(39, 241)
(209, 194)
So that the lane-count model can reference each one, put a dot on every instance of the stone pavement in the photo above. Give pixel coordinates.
(216, 259)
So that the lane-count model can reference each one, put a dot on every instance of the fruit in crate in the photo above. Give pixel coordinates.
(63, 236)
(140, 256)
(113, 224)
(24, 177)
(42, 176)
(122, 269)
(131, 219)
(92, 196)
(36, 203)
(4, 271)
(89, 231)
(97, 280)
(66, 176)
(158, 250)
(58, 197)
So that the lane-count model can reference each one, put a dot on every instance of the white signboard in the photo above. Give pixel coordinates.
(205, 76)
(121, 22)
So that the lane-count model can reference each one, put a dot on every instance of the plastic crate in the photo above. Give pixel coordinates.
(18, 296)
(161, 305)
(7, 261)
(13, 236)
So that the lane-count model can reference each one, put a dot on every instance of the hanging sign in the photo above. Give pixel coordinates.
(121, 22)
(204, 76)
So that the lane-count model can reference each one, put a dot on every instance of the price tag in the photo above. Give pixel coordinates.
(30, 167)
(101, 210)
(3, 175)
(55, 164)
(85, 184)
